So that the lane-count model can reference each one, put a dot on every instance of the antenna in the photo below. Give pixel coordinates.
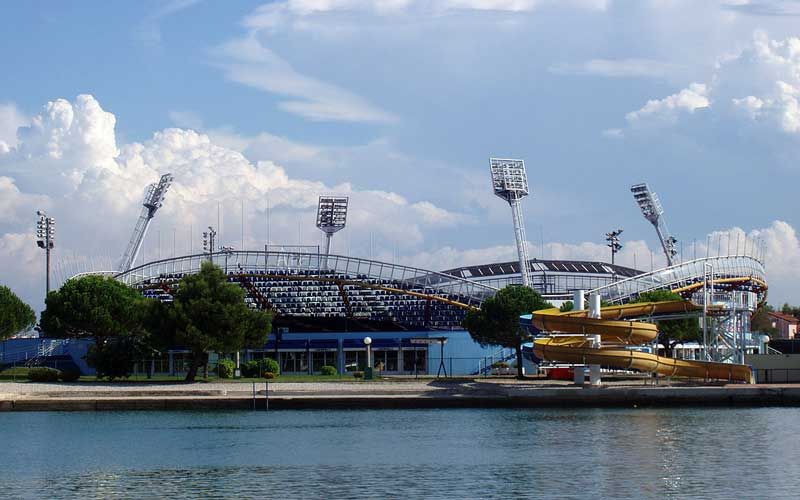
(652, 210)
(331, 217)
(510, 182)
(153, 199)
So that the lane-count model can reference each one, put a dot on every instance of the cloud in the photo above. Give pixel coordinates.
(149, 30)
(68, 161)
(776, 8)
(758, 85)
(616, 68)
(668, 109)
(248, 62)
(10, 120)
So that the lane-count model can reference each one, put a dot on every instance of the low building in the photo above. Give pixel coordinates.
(786, 324)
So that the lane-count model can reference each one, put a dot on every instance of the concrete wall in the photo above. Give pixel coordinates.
(775, 368)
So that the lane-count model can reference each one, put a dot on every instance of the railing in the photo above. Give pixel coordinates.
(314, 264)
(686, 274)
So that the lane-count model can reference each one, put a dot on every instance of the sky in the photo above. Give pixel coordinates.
(259, 108)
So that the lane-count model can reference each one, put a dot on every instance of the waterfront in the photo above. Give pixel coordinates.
(402, 453)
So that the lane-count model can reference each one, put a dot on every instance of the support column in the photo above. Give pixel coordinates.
(340, 356)
(594, 312)
(171, 364)
(238, 372)
(577, 301)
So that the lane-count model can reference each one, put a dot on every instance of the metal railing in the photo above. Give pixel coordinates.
(686, 274)
(314, 264)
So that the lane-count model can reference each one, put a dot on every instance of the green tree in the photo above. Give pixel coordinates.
(674, 331)
(567, 306)
(497, 321)
(93, 307)
(761, 321)
(209, 314)
(15, 315)
(106, 310)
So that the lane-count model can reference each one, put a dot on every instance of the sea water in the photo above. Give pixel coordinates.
(473, 453)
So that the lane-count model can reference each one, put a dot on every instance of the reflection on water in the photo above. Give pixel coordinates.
(402, 453)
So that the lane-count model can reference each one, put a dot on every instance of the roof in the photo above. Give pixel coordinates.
(544, 266)
(785, 317)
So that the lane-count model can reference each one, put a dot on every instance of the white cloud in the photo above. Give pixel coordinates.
(669, 108)
(149, 30)
(248, 62)
(95, 187)
(616, 68)
(10, 120)
(760, 83)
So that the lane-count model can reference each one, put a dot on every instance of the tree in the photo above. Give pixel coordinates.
(104, 309)
(15, 315)
(567, 306)
(497, 321)
(674, 331)
(209, 314)
(93, 307)
(761, 320)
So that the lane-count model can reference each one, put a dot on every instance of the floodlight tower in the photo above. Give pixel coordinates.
(510, 182)
(613, 243)
(331, 217)
(651, 209)
(208, 240)
(46, 239)
(153, 199)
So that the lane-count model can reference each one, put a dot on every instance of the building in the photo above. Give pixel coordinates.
(786, 324)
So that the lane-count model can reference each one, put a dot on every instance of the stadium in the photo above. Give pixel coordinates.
(325, 305)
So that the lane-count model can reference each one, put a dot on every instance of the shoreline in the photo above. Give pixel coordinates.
(383, 395)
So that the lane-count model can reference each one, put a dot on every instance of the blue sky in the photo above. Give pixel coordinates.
(399, 104)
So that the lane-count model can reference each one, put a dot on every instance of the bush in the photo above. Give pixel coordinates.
(328, 370)
(257, 367)
(69, 375)
(358, 374)
(43, 374)
(269, 375)
(226, 368)
(500, 364)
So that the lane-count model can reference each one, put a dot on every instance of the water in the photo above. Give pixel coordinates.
(745, 453)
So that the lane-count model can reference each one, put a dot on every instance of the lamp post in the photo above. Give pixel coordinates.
(227, 251)
(45, 239)
(613, 243)
(208, 242)
(368, 370)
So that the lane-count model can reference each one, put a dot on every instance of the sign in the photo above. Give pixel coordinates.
(428, 340)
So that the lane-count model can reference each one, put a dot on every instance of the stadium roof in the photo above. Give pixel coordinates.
(542, 266)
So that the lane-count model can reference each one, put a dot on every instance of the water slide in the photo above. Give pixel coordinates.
(616, 332)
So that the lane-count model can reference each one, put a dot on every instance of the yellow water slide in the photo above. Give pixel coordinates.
(615, 333)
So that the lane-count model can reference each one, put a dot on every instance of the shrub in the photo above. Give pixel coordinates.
(328, 370)
(269, 375)
(257, 367)
(69, 375)
(500, 364)
(226, 368)
(43, 374)
(358, 374)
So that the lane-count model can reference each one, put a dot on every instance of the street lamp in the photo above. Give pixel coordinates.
(227, 251)
(613, 243)
(368, 343)
(46, 239)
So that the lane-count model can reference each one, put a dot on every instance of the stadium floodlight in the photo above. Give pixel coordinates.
(46, 240)
(153, 200)
(510, 182)
(613, 243)
(331, 217)
(208, 240)
(652, 210)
